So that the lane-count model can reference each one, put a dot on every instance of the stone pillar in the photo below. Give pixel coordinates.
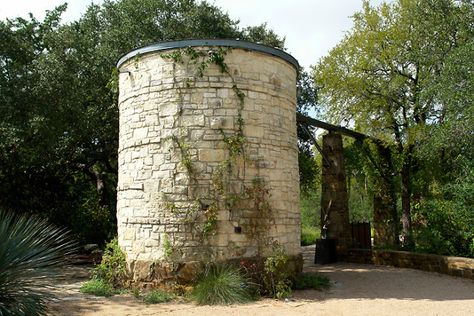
(334, 198)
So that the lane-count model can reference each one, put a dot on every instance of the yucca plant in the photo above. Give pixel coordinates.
(30, 249)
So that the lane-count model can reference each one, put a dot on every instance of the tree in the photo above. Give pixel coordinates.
(58, 110)
(382, 75)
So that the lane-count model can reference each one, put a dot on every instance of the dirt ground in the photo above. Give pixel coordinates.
(356, 290)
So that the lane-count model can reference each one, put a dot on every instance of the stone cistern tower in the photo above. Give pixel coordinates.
(208, 160)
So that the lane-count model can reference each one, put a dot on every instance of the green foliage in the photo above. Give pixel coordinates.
(309, 169)
(167, 247)
(310, 207)
(402, 76)
(112, 269)
(210, 225)
(30, 249)
(234, 144)
(157, 296)
(98, 287)
(261, 34)
(221, 284)
(276, 277)
(58, 144)
(309, 235)
(184, 149)
(444, 221)
(311, 281)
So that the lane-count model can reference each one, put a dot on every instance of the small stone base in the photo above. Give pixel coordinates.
(146, 274)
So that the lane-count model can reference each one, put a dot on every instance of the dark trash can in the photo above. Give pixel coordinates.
(325, 251)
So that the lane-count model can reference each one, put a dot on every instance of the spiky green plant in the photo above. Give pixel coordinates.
(221, 284)
(30, 250)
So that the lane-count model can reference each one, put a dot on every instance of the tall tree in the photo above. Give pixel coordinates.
(381, 76)
(58, 101)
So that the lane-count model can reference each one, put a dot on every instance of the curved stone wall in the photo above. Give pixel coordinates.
(208, 162)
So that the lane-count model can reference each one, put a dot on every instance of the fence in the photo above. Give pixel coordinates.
(361, 236)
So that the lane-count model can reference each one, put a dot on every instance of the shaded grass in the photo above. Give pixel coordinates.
(313, 281)
(309, 235)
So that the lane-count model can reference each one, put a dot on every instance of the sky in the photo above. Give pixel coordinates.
(311, 27)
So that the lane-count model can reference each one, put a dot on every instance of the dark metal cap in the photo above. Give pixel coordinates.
(162, 46)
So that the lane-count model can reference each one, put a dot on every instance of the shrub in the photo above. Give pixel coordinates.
(311, 281)
(112, 268)
(157, 296)
(30, 248)
(276, 277)
(309, 235)
(221, 284)
(310, 201)
(98, 287)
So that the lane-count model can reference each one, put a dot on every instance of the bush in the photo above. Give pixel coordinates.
(98, 287)
(309, 235)
(221, 284)
(276, 277)
(112, 268)
(157, 296)
(30, 248)
(310, 206)
(311, 281)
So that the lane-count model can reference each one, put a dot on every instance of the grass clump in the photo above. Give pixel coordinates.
(313, 281)
(98, 287)
(221, 285)
(309, 235)
(158, 296)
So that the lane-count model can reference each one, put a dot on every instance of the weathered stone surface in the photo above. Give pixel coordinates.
(168, 121)
(334, 198)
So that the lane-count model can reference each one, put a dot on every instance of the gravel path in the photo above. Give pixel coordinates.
(356, 290)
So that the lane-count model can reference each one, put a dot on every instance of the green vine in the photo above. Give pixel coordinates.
(223, 198)
(184, 149)
(167, 246)
(258, 224)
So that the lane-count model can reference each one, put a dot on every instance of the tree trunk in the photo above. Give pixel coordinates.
(406, 204)
(98, 178)
(386, 221)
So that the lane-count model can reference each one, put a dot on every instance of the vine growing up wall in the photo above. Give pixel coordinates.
(246, 204)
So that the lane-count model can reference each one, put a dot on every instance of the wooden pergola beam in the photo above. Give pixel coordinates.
(306, 120)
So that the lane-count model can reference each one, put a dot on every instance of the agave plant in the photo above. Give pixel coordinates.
(30, 250)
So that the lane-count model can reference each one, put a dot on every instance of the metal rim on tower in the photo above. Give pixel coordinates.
(163, 46)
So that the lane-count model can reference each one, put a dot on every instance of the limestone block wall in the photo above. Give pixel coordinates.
(183, 196)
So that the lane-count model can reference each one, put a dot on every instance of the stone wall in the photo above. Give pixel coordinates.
(176, 170)
(456, 266)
